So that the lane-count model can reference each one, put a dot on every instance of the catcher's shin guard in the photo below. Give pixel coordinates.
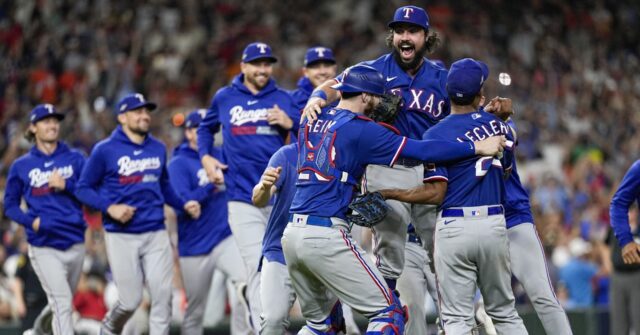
(392, 318)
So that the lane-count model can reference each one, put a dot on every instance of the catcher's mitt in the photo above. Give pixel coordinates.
(387, 110)
(367, 209)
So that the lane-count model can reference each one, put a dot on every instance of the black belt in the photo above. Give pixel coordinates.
(408, 162)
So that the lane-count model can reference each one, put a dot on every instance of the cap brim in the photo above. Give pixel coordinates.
(393, 23)
(270, 58)
(149, 105)
(58, 116)
(325, 60)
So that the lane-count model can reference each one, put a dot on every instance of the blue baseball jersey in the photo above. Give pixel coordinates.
(61, 222)
(190, 181)
(476, 181)
(517, 208)
(120, 171)
(248, 139)
(302, 93)
(425, 98)
(628, 192)
(357, 143)
(286, 188)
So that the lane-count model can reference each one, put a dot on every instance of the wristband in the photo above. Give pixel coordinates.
(319, 94)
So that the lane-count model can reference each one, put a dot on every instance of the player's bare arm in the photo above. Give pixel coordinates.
(316, 102)
(491, 146)
(430, 193)
(214, 169)
(278, 117)
(266, 188)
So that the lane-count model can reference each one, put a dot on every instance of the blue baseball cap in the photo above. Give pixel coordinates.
(410, 14)
(195, 118)
(134, 101)
(466, 78)
(257, 50)
(318, 54)
(361, 78)
(44, 111)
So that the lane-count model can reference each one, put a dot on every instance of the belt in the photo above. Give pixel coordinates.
(312, 220)
(408, 162)
(459, 212)
(414, 238)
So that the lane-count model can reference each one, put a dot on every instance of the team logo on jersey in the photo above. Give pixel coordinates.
(311, 156)
(203, 179)
(419, 100)
(240, 116)
(476, 116)
(128, 166)
(39, 178)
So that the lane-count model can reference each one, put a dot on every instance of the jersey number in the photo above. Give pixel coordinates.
(484, 164)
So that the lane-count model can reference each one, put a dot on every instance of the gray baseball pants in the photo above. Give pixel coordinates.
(473, 251)
(59, 272)
(134, 259)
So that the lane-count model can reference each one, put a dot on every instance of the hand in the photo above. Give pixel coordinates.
(313, 108)
(214, 168)
(491, 146)
(56, 181)
(270, 177)
(631, 253)
(192, 208)
(35, 225)
(121, 212)
(500, 107)
(277, 117)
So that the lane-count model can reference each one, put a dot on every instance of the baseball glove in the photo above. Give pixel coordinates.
(387, 110)
(367, 209)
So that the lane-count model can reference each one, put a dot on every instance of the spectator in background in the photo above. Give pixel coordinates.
(577, 275)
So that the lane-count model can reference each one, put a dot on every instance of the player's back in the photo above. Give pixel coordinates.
(475, 181)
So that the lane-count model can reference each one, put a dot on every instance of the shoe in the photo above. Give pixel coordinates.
(241, 293)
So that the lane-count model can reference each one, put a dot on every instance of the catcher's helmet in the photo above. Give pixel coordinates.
(361, 78)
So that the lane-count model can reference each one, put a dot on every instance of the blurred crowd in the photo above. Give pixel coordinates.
(574, 65)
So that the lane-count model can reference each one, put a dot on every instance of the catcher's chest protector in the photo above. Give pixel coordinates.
(316, 161)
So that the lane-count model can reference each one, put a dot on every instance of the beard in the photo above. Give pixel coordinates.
(139, 130)
(253, 80)
(414, 63)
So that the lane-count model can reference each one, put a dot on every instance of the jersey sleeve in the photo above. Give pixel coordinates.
(293, 112)
(171, 197)
(379, 145)
(13, 197)
(90, 178)
(435, 173)
(208, 127)
(279, 159)
(179, 178)
(78, 165)
(627, 193)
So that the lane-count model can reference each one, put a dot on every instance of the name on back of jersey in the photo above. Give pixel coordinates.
(479, 133)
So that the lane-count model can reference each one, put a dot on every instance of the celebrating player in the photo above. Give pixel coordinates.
(204, 244)
(256, 117)
(46, 178)
(126, 179)
(421, 84)
(318, 249)
(319, 66)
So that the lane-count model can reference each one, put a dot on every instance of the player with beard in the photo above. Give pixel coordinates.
(126, 179)
(421, 84)
(256, 117)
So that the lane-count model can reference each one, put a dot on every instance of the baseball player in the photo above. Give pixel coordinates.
(421, 84)
(204, 244)
(415, 282)
(528, 262)
(256, 117)
(334, 151)
(625, 301)
(471, 244)
(276, 293)
(126, 179)
(45, 178)
(319, 66)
